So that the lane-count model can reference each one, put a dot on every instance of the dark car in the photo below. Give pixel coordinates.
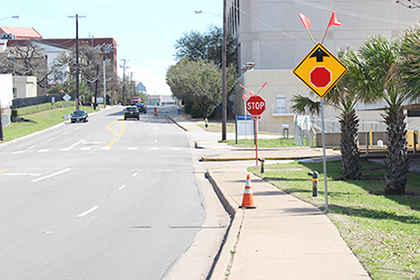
(131, 112)
(142, 108)
(79, 116)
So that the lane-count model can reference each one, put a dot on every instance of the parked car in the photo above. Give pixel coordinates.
(131, 112)
(142, 108)
(79, 116)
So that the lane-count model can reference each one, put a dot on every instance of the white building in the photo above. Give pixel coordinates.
(6, 97)
(271, 35)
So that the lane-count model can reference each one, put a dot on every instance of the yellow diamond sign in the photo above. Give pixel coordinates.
(320, 70)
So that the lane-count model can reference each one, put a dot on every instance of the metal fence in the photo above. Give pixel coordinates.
(32, 101)
(334, 125)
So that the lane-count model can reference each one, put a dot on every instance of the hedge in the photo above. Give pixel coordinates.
(38, 108)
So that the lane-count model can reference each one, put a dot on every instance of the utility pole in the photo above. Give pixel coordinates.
(224, 101)
(46, 74)
(124, 67)
(104, 77)
(77, 57)
(131, 85)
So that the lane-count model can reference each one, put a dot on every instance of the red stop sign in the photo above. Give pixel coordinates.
(255, 105)
(320, 77)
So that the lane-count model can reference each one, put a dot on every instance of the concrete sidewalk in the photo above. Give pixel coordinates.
(283, 238)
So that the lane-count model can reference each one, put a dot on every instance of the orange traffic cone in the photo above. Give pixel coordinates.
(248, 200)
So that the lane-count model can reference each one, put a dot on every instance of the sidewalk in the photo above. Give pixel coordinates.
(283, 238)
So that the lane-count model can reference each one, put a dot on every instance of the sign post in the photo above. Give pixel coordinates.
(255, 105)
(320, 70)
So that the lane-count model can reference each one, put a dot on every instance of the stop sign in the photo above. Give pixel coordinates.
(255, 105)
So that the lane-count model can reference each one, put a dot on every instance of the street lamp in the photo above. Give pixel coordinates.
(15, 16)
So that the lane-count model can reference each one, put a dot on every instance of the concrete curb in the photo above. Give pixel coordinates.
(224, 258)
(175, 122)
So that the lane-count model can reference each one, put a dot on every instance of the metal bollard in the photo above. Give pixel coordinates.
(262, 164)
(314, 175)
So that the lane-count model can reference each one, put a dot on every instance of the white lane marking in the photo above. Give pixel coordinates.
(85, 148)
(133, 148)
(75, 144)
(153, 148)
(52, 175)
(18, 152)
(121, 188)
(155, 140)
(105, 148)
(176, 149)
(31, 147)
(20, 174)
(43, 150)
(50, 139)
(155, 133)
(88, 211)
(135, 174)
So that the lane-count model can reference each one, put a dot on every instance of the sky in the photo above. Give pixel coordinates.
(145, 31)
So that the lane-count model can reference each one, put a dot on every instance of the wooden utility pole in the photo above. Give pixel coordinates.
(77, 57)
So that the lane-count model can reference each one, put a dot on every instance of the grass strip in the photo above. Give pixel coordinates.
(38, 121)
(262, 143)
(383, 231)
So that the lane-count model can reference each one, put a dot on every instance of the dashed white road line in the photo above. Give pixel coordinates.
(121, 188)
(52, 175)
(43, 150)
(88, 211)
(75, 144)
(135, 174)
(153, 148)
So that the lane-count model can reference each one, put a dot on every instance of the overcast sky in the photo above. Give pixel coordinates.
(145, 31)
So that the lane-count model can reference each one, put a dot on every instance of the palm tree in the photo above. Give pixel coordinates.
(380, 62)
(344, 99)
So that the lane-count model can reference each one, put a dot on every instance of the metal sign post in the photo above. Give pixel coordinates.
(320, 70)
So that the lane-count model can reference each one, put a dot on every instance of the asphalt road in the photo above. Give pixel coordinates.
(107, 199)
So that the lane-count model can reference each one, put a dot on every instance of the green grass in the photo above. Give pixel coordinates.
(262, 143)
(38, 121)
(383, 231)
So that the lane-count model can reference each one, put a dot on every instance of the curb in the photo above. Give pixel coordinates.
(175, 122)
(224, 258)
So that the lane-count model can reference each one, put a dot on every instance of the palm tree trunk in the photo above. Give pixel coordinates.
(349, 148)
(396, 160)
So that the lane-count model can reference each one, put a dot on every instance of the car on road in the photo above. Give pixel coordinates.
(79, 116)
(142, 108)
(135, 99)
(131, 112)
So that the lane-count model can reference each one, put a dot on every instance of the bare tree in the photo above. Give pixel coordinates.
(26, 60)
